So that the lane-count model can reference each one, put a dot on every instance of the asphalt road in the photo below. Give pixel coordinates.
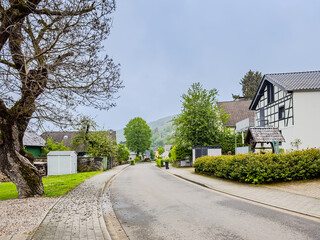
(151, 204)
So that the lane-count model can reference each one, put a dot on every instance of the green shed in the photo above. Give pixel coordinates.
(33, 143)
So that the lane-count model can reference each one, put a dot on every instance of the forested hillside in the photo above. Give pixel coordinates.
(161, 132)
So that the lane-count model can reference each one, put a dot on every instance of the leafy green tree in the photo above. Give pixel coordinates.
(101, 145)
(152, 154)
(250, 84)
(201, 120)
(138, 134)
(82, 139)
(160, 150)
(53, 146)
(122, 153)
(179, 153)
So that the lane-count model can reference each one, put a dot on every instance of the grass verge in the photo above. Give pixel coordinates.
(54, 186)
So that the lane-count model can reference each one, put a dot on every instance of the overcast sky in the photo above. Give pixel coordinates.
(164, 46)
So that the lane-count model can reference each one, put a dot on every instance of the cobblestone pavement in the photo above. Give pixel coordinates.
(297, 200)
(78, 214)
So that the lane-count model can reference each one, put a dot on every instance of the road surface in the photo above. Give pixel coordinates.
(151, 204)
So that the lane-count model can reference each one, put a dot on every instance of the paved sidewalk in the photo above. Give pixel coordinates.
(78, 214)
(289, 201)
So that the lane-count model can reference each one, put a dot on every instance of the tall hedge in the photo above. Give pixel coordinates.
(264, 168)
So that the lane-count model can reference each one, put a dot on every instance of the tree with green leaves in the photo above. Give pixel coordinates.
(201, 120)
(82, 139)
(250, 84)
(122, 153)
(101, 145)
(53, 146)
(160, 150)
(138, 134)
(152, 154)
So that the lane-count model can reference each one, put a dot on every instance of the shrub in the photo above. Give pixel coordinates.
(264, 168)
(159, 162)
(132, 162)
(179, 153)
(53, 146)
(137, 159)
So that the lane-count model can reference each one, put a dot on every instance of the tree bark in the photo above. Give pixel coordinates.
(16, 165)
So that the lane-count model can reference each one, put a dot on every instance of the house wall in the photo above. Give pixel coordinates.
(36, 151)
(271, 110)
(306, 120)
(302, 116)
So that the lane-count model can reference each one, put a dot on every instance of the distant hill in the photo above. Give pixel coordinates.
(161, 132)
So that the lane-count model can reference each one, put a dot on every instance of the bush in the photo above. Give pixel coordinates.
(53, 146)
(132, 162)
(179, 153)
(159, 162)
(137, 159)
(264, 168)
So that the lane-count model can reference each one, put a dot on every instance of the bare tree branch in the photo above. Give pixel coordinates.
(17, 12)
(63, 13)
(7, 63)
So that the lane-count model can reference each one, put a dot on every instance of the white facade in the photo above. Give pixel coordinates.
(296, 114)
(306, 109)
(242, 150)
(208, 152)
(62, 162)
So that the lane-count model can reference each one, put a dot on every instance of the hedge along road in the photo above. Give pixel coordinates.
(151, 204)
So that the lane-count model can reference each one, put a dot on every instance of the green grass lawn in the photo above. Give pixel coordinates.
(54, 186)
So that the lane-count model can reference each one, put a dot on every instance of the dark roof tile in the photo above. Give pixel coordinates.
(264, 135)
(296, 81)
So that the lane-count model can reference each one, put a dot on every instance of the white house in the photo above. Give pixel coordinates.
(291, 102)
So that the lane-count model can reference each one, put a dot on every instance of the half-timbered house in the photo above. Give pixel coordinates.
(291, 102)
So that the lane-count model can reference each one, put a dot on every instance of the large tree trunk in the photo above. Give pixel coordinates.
(15, 164)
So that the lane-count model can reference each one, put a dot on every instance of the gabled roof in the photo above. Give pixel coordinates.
(296, 81)
(66, 137)
(238, 110)
(288, 82)
(264, 135)
(31, 138)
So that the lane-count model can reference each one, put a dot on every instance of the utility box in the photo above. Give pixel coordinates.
(62, 162)
(199, 151)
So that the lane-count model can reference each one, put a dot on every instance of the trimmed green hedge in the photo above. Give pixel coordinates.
(264, 168)
(132, 162)
(159, 162)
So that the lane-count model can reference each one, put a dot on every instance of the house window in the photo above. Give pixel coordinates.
(270, 93)
(281, 113)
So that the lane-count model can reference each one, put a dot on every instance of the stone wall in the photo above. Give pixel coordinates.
(183, 163)
(89, 164)
(40, 159)
(84, 164)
